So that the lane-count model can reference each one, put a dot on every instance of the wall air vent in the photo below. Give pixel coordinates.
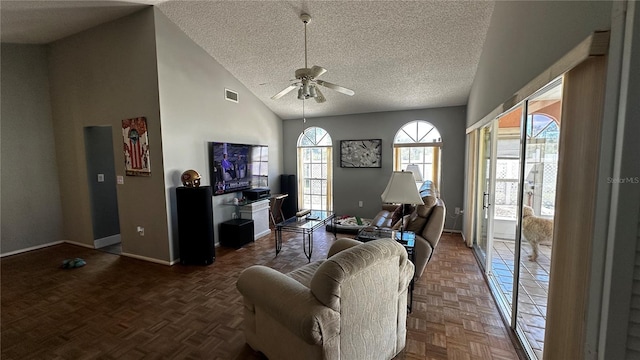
(231, 95)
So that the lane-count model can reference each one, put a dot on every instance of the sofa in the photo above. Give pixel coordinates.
(426, 221)
(353, 305)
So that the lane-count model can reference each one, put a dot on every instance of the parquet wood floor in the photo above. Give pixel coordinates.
(122, 308)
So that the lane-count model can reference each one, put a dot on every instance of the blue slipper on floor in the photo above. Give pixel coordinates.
(73, 263)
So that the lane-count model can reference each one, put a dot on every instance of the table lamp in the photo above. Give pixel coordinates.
(401, 189)
(415, 169)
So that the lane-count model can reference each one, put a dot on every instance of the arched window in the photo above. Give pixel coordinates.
(315, 175)
(543, 137)
(418, 143)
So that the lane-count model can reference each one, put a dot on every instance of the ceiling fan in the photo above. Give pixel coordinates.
(306, 80)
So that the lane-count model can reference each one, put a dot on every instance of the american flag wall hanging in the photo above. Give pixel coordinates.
(136, 147)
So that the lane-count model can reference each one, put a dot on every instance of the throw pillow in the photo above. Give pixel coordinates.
(416, 222)
(429, 200)
(397, 213)
(419, 217)
(398, 224)
(429, 204)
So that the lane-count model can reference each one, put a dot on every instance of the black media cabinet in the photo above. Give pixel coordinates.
(236, 232)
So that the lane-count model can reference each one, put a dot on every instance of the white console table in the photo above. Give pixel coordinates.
(257, 211)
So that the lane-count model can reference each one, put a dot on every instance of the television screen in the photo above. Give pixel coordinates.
(237, 167)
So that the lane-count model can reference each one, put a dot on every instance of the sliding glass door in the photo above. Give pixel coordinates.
(484, 211)
(517, 169)
(502, 265)
(541, 145)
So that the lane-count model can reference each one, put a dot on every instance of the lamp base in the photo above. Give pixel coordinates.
(402, 226)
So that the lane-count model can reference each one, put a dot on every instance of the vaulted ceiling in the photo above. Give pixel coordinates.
(395, 55)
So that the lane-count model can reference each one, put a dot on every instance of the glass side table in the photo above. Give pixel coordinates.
(406, 238)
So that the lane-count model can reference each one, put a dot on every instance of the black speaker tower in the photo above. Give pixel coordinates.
(195, 225)
(289, 185)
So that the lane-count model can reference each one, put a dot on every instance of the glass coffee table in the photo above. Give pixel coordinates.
(405, 238)
(305, 225)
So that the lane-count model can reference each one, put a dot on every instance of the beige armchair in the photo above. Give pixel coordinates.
(351, 306)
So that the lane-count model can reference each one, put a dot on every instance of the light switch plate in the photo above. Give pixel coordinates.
(100, 177)
(120, 179)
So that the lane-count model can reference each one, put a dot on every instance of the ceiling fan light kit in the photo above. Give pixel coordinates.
(306, 78)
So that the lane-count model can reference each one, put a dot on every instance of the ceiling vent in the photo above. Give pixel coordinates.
(231, 95)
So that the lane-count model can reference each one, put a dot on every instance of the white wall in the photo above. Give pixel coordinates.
(524, 39)
(31, 207)
(351, 185)
(194, 112)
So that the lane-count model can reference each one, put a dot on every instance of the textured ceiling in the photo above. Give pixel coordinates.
(395, 55)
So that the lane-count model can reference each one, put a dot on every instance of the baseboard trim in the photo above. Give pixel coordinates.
(31, 248)
(162, 262)
(452, 231)
(79, 244)
(157, 261)
(264, 233)
(106, 241)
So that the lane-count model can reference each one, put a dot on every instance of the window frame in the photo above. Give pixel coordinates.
(324, 144)
(418, 142)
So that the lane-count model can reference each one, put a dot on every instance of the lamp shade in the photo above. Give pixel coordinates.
(415, 169)
(401, 189)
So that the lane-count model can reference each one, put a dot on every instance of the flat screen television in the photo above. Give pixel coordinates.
(237, 167)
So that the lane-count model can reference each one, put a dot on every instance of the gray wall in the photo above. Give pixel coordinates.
(31, 207)
(523, 40)
(100, 77)
(354, 184)
(195, 112)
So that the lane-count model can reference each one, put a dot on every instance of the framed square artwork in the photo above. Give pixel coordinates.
(361, 153)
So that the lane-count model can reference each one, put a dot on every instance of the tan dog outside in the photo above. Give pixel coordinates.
(536, 230)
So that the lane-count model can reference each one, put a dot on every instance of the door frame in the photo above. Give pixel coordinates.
(481, 173)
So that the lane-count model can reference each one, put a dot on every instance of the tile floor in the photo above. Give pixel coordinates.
(115, 249)
(533, 288)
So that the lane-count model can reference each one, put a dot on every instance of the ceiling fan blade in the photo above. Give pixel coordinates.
(284, 92)
(335, 87)
(316, 71)
(319, 97)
